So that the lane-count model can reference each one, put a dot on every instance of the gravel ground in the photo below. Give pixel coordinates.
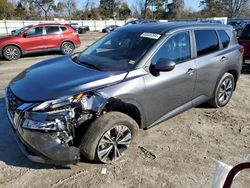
(180, 152)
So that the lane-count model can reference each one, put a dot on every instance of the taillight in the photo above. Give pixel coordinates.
(241, 49)
(76, 33)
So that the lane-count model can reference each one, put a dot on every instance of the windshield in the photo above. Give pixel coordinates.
(19, 31)
(120, 50)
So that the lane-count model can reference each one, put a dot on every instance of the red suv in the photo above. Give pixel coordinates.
(244, 40)
(37, 38)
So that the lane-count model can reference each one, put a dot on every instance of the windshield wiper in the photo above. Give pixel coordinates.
(89, 64)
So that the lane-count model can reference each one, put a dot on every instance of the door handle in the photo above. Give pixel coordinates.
(190, 71)
(223, 59)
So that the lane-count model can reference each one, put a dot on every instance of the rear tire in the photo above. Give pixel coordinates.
(108, 137)
(67, 48)
(223, 92)
(11, 53)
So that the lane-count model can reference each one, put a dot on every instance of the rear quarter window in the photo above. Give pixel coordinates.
(63, 28)
(225, 39)
(206, 41)
(52, 30)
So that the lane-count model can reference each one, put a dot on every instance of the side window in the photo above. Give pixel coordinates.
(206, 41)
(36, 31)
(63, 28)
(177, 48)
(52, 30)
(224, 38)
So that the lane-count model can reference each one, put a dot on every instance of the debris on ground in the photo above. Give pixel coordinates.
(147, 153)
(104, 171)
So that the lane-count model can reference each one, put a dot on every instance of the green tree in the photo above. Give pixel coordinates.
(176, 10)
(6, 9)
(45, 5)
(146, 8)
(159, 8)
(212, 8)
(20, 10)
(106, 8)
(124, 11)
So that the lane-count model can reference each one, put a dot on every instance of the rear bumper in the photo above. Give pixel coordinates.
(77, 45)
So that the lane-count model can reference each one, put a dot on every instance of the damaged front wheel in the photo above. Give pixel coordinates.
(108, 137)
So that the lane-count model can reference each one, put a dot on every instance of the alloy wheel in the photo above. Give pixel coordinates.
(11, 53)
(113, 143)
(225, 91)
(68, 48)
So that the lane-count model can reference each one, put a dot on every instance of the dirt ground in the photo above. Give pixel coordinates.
(180, 152)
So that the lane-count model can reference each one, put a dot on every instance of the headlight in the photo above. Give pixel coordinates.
(64, 112)
(55, 104)
(52, 125)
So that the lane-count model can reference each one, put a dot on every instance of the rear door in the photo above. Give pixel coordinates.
(244, 40)
(210, 61)
(53, 37)
(33, 39)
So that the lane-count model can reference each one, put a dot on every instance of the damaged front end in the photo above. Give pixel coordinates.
(46, 131)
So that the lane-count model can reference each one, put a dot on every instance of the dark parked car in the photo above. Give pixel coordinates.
(244, 40)
(39, 38)
(80, 29)
(239, 25)
(135, 77)
(140, 21)
(110, 28)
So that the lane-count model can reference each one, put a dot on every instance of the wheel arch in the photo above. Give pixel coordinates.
(67, 40)
(128, 107)
(232, 70)
(13, 44)
(235, 75)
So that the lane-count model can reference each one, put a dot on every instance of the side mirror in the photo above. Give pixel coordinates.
(163, 65)
(25, 35)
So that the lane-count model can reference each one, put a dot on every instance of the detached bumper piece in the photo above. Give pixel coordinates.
(45, 148)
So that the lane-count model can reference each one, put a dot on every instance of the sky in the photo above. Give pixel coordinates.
(194, 4)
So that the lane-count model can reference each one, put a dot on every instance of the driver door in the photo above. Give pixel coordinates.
(33, 40)
(166, 91)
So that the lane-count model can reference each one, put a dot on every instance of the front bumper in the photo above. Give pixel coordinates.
(43, 147)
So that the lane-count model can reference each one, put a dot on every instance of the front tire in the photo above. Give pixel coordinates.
(108, 137)
(11, 53)
(223, 92)
(67, 48)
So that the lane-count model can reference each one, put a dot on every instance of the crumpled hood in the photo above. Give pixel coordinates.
(60, 77)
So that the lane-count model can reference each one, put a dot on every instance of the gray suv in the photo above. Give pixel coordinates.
(93, 104)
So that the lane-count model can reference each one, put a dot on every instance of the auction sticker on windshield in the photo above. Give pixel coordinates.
(150, 35)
